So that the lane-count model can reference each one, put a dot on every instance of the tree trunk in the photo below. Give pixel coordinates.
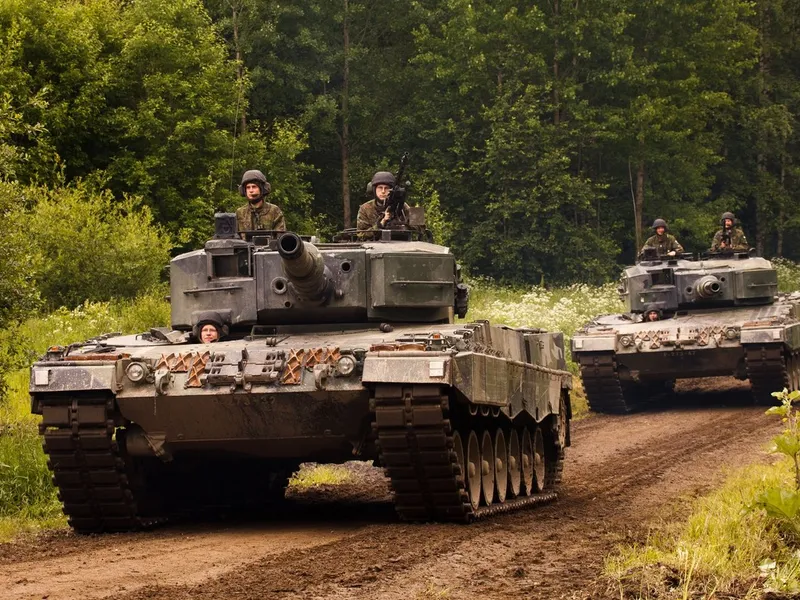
(239, 65)
(345, 137)
(556, 99)
(781, 208)
(639, 202)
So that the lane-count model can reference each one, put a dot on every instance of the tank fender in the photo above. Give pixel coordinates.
(762, 335)
(394, 367)
(594, 343)
(68, 378)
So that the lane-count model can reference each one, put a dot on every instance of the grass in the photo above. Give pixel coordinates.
(313, 475)
(726, 546)
(27, 497)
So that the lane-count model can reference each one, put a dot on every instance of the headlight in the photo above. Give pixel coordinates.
(346, 365)
(136, 372)
(731, 333)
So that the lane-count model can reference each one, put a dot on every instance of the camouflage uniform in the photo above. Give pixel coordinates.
(370, 215)
(738, 242)
(664, 244)
(266, 217)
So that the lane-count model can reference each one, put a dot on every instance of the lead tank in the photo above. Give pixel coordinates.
(721, 315)
(333, 352)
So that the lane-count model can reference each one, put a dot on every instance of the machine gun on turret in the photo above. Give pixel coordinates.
(397, 196)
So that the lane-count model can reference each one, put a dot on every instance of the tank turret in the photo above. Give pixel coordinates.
(281, 278)
(718, 281)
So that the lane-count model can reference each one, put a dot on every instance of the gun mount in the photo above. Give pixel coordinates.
(305, 269)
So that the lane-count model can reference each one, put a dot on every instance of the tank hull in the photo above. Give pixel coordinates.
(123, 425)
(624, 362)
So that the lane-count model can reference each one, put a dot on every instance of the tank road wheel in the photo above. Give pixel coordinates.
(487, 468)
(458, 449)
(538, 460)
(500, 465)
(526, 464)
(474, 470)
(514, 471)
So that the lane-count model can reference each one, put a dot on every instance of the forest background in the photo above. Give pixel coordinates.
(544, 136)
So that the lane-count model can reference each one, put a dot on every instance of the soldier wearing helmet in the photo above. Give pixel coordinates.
(651, 313)
(730, 238)
(210, 327)
(257, 214)
(664, 243)
(375, 214)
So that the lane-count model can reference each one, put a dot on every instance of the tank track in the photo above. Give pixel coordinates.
(768, 372)
(414, 436)
(88, 467)
(604, 391)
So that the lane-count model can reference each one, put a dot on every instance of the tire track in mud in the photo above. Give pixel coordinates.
(550, 552)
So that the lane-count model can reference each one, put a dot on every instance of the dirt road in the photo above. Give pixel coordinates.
(622, 474)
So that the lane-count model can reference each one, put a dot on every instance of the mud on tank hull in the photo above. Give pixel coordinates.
(624, 363)
(466, 420)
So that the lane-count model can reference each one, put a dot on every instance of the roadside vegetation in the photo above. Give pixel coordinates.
(741, 540)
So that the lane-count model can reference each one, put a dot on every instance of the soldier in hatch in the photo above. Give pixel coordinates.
(730, 238)
(651, 313)
(257, 214)
(664, 243)
(210, 327)
(375, 214)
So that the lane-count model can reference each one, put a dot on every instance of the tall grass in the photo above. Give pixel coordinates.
(27, 497)
(725, 546)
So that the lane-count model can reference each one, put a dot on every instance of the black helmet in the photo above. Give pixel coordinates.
(210, 317)
(727, 215)
(659, 223)
(383, 178)
(648, 308)
(255, 176)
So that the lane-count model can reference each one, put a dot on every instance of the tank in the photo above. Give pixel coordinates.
(331, 352)
(718, 315)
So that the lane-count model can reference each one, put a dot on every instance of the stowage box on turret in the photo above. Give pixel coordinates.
(330, 352)
(720, 315)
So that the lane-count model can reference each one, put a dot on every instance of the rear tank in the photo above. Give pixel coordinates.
(719, 315)
(332, 352)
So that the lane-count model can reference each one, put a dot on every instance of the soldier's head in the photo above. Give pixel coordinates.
(254, 186)
(382, 183)
(727, 220)
(210, 327)
(660, 226)
(651, 313)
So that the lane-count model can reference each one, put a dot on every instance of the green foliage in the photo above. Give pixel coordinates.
(780, 503)
(19, 295)
(724, 547)
(788, 275)
(90, 246)
(27, 496)
(313, 475)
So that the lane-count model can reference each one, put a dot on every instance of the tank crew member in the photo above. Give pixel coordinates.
(210, 327)
(730, 238)
(664, 243)
(257, 214)
(651, 313)
(375, 214)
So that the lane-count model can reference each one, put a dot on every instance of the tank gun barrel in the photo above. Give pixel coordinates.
(708, 286)
(304, 267)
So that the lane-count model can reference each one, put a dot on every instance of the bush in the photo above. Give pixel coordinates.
(91, 247)
(788, 274)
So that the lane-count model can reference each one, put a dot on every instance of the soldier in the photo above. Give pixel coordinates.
(257, 214)
(664, 243)
(210, 327)
(651, 313)
(730, 238)
(375, 214)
